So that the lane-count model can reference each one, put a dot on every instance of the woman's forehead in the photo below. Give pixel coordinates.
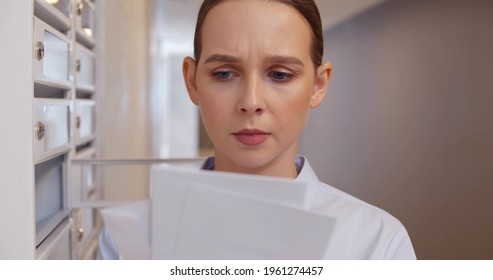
(246, 26)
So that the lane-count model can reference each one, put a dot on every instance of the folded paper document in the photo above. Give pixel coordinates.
(216, 215)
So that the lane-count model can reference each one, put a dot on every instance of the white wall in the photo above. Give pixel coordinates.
(16, 123)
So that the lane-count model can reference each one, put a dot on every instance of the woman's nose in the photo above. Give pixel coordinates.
(252, 101)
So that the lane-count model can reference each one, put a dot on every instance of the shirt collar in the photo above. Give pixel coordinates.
(308, 176)
(210, 163)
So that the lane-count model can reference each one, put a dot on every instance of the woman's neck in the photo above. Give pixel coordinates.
(285, 166)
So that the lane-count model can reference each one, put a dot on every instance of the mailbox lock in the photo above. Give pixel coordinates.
(40, 50)
(77, 122)
(40, 130)
(80, 233)
(77, 65)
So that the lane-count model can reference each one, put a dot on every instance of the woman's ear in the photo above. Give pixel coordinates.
(189, 75)
(321, 84)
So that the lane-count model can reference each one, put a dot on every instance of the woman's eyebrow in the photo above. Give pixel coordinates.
(221, 58)
(280, 59)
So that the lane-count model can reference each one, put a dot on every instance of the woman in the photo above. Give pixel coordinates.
(256, 74)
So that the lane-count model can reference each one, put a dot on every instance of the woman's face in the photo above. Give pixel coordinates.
(255, 83)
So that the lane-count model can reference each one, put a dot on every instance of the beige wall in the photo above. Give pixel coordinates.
(408, 121)
(123, 112)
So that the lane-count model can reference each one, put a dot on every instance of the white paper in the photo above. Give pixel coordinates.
(277, 190)
(213, 215)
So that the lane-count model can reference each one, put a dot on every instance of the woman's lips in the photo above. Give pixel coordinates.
(251, 137)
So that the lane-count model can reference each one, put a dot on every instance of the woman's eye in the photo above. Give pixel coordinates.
(281, 76)
(222, 75)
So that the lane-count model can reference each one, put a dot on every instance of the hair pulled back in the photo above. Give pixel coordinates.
(307, 8)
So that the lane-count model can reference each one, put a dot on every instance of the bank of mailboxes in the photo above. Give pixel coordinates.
(63, 125)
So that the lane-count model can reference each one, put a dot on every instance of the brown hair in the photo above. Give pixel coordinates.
(307, 8)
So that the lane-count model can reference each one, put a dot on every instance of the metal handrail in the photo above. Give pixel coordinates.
(144, 161)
